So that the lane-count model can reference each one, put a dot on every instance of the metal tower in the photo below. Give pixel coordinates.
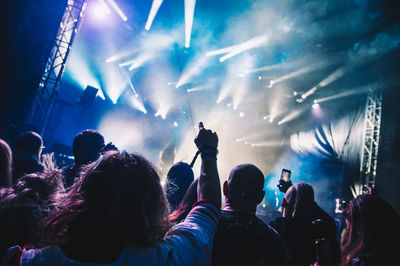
(369, 154)
(47, 90)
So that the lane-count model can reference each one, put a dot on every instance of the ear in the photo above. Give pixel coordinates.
(260, 196)
(225, 188)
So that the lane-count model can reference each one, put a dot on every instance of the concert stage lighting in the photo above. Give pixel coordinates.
(315, 105)
(153, 11)
(335, 75)
(253, 43)
(189, 13)
(99, 11)
(117, 9)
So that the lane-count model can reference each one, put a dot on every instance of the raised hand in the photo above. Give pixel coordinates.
(206, 139)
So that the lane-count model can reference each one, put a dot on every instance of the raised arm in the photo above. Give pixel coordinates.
(209, 187)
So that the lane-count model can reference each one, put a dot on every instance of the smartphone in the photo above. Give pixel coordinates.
(285, 175)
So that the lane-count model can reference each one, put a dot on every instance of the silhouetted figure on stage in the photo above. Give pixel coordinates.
(241, 237)
(26, 154)
(303, 223)
(86, 147)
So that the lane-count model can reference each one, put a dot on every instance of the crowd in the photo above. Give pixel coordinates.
(109, 207)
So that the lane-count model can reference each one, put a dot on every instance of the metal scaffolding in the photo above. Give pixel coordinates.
(47, 90)
(369, 155)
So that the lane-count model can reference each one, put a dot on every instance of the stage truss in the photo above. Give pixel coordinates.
(369, 154)
(49, 84)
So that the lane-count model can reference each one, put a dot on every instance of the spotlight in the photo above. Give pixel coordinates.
(315, 106)
(153, 11)
(295, 93)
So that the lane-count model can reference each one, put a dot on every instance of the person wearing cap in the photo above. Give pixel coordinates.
(242, 238)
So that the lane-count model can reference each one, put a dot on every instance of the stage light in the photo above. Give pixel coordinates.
(100, 94)
(315, 105)
(221, 51)
(253, 43)
(266, 68)
(153, 11)
(199, 88)
(175, 124)
(136, 103)
(189, 14)
(301, 71)
(259, 77)
(98, 11)
(241, 114)
(141, 60)
(335, 75)
(117, 9)
(79, 72)
(162, 110)
(291, 116)
(295, 93)
(267, 144)
(192, 69)
(349, 92)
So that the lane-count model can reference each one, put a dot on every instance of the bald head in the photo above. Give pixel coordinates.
(245, 185)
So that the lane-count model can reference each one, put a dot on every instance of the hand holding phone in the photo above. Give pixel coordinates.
(284, 181)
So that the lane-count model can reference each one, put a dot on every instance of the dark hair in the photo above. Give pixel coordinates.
(179, 178)
(5, 164)
(299, 201)
(87, 146)
(121, 196)
(372, 224)
(37, 187)
(186, 204)
(29, 142)
(245, 183)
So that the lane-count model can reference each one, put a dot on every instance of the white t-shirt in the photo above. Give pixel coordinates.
(187, 243)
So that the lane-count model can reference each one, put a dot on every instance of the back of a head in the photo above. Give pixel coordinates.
(87, 146)
(38, 186)
(371, 218)
(5, 164)
(179, 178)
(30, 142)
(299, 200)
(121, 196)
(245, 184)
(35, 188)
(372, 228)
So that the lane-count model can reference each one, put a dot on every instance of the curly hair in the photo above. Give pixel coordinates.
(118, 198)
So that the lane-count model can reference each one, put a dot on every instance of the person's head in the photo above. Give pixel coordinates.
(244, 187)
(30, 142)
(5, 164)
(298, 201)
(87, 146)
(371, 223)
(179, 178)
(186, 203)
(120, 196)
(37, 188)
